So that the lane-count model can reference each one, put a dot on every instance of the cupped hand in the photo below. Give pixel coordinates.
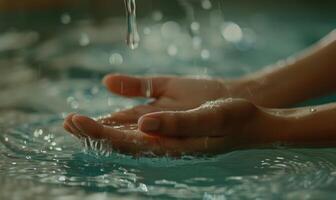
(214, 127)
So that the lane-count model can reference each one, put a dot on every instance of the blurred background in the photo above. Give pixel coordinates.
(58, 41)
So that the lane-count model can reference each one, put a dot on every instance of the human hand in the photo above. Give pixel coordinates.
(169, 93)
(214, 127)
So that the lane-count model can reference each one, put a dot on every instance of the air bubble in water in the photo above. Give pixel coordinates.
(132, 37)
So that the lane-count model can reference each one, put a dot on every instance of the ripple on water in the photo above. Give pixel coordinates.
(40, 152)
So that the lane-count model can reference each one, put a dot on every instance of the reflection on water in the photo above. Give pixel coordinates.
(45, 76)
(47, 157)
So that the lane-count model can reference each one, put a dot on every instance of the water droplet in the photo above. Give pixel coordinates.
(73, 102)
(58, 149)
(206, 4)
(132, 38)
(94, 90)
(195, 27)
(197, 42)
(147, 31)
(157, 15)
(62, 178)
(38, 132)
(172, 50)
(170, 29)
(143, 187)
(313, 110)
(205, 54)
(84, 39)
(116, 59)
(148, 88)
(65, 18)
(232, 32)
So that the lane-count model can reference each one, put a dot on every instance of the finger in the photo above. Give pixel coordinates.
(132, 86)
(197, 122)
(88, 126)
(132, 115)
(70, 126)
(134, 142)
(67, 128)
(121, 141)
(215, 118)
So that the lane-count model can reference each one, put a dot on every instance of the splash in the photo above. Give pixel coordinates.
(132, 37)
(97, 147)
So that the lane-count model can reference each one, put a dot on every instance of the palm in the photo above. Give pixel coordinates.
(186, 93)
(169, 93)
(129, 140)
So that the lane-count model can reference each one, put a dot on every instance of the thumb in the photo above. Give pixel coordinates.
(215, 118)
(195, 122)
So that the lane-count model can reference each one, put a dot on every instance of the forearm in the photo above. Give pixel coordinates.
(302, 126)
(309, 75)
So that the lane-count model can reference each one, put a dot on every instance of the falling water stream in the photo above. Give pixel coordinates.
(132, 37)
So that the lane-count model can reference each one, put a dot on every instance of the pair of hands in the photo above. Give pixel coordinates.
(187, 116)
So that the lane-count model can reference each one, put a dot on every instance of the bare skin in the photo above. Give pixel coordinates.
(226, 118)
(198, 116)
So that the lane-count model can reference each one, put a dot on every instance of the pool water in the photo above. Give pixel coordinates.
(46, 74)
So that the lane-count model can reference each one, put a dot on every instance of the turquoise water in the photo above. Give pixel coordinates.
(47, 73)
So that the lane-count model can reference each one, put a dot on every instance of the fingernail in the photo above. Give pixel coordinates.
(76, 123)
(149, 124)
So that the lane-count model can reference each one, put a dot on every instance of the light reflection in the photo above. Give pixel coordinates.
(206, 4)
(116, 59)
(232, 32)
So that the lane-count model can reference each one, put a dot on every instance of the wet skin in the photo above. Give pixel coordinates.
(186, 123)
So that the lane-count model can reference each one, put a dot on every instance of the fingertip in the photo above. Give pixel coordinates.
(87, 125)
(114, 83)
(107, 78)
(69, 117)
(66, 127)
(148, 124)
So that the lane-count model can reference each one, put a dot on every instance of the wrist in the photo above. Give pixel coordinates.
(270, 126)
(248, 87)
